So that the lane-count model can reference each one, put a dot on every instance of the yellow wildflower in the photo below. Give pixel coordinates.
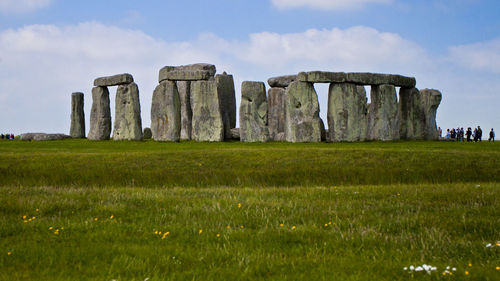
(62, 228)
(200, 231)
(112, 216)
(228, 227)
(498, 268)
(95, 219)
(9, 253)
(330, 223)
(37, 210)
(156, 232)
(466, 273)
(281, 225)
(24, 217)
(50, 228)
(218, 235)
(25, 221)
(242, 227)
(326, 225)
(239, 205)
(470, 264)
(294, 227)
(33, 218)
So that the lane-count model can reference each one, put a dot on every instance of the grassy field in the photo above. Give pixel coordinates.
(229, 211)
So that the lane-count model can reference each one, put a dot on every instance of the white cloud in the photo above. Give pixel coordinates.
(22, 6)
(479, 56)
(326, 4)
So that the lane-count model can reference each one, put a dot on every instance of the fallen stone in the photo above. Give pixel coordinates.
(276, 98)
(43, 137)
(192, 72)
(281, 81)
(322, 77)
(302, 113)
(431, 99)
(227, 95)
(253, 112)
(77, 128)
(235, 134)
(347, 113)
(128, 123)
(184, 89)
(207, 118)
(383, 119)
(100, 115)
(411, 114)
(147, 134)
(166, 112)
(114, 80)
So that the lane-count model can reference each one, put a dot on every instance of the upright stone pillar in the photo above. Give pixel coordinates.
(207, 118)
(225, 88)
(100, 115)
(411, 115)
(347, 112)
(77, 129)
(128, 123)
(276, 98)
(166, 112)
(253, 112)
(303, 123)
(431, 99)
(383, 119)
(184, 92)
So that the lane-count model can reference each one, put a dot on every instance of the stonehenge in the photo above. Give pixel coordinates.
(193, 102)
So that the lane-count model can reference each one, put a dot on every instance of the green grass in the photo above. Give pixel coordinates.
(391, 205)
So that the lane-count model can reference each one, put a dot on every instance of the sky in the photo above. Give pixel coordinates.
(51, 48)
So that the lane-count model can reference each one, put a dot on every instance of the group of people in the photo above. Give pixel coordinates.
(459, 134)
(7, 136)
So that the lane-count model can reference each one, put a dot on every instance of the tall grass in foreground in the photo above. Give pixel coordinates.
(316, 233)
(189, 164)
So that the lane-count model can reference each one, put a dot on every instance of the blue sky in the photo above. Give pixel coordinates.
(50, 48)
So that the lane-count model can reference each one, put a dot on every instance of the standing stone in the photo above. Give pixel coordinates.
(77, 129)
(207, 118)
(276, 113)
(411, 115)
(166, 112)
(147, 134)
(383, 120)
(431, 99)
(128, 124)
(225, 88)
(347, 112)
(302, 113)
(184, 89)
(253, 112)
(100, 115)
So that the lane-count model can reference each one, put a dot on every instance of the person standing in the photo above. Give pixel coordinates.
(469, 134)
(492, 136)
(480, 133)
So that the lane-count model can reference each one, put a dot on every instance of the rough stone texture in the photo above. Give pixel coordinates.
(253, 112)
(302, 113)
(166, 112)
(100, 115)
(184, 89)
(77, 129)
(147, 134)
(358, 78)
(227, 96)
(347, 112)
(128, 124)
(431, 99)
(115, 80)
(43, 137)
(411, 114)
(207, 117)
(235, 134)
(281, 81)
(276, 98)
(383, 119)
(191, 72)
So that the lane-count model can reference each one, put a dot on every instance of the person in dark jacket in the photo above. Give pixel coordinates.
(492, 135)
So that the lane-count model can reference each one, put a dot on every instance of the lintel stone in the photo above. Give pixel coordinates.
(114, 80)
(191, 72)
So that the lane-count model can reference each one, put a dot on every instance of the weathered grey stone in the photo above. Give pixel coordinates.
(114, 80)
(147, 133)
(235, 134)
(207, 117)
(411, 114)
(431, 99)
(184, 89)
(322, 77)
(359, 78)
(302, 113)
(253, 112)
(191, 72)
(128, 124)
(276, 98)
(383, 119)
(43, 137)
(225, 88)
(77, 129)
(347, 112)
(281, 81)
(100, 115)
(166, 112)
